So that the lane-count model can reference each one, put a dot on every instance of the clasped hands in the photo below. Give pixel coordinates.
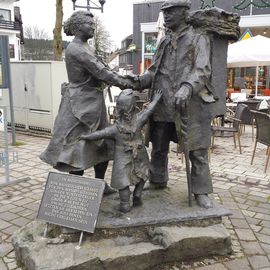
(134, 81)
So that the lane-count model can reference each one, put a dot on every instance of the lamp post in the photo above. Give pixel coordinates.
(88, 7)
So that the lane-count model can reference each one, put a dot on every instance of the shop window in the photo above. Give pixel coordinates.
(5, 15)
(243, 79)
(150, 43)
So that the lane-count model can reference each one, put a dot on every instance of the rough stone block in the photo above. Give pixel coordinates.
(158, 246)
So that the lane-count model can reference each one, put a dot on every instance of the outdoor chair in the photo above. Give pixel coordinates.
(258, 108)
(235, 129)
(262, 121)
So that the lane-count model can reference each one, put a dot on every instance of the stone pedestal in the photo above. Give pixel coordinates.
(164, 230)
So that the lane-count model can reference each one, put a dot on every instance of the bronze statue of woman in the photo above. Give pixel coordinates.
(82, 109)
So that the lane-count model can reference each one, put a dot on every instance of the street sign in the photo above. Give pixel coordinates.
(246, 35)
(71, 201)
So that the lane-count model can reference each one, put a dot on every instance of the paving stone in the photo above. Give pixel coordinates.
(238, 264)
(245, 234)
(264, 205)
(7, 216)
(4, 208)
(8, 260)
(21, 221)
(253, 221)
(259, 261)
(3, 224)
(231, 205)
(26, 213)
(258, 199)
(11, 229)
(32, 206)
(259, 193)
(25, 190)
(12, 255)
(265, 223)
(12, 265)
(23, 202)
(218, 266)
(266, 248)
(265, 231)
(2, 265)
(252, 248)
(5, 249)
(259, 210)
(263, 238)
(24, 184)
(240, 189)
(249, 213)
(251, 203)
(237, 214)
(255, 228)
(263, 216)
(243, 206)
(240, 223)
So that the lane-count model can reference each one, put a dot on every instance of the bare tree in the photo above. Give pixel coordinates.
(33, 32)
(37, 46)
(57, 32)
(102, 39)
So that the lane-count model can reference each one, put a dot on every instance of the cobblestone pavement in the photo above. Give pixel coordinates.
(241, 187)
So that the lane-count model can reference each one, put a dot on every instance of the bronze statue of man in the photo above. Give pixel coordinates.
(181, 68)
(82, 108)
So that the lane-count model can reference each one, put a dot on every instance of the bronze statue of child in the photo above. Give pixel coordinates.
(131, 162)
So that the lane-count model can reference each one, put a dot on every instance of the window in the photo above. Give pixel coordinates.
(11, 51)
(5, 15)
(150, 42)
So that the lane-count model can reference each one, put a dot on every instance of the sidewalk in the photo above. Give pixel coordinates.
(241, 187)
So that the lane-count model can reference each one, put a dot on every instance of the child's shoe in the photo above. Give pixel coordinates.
(124, 207)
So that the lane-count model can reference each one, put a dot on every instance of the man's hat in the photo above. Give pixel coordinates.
(176, 3)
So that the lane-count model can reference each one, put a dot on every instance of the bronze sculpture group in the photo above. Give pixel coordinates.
(178, 81)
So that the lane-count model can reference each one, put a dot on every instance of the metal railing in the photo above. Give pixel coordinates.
(9, 25)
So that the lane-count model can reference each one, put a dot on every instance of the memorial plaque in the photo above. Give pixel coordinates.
(71, 201)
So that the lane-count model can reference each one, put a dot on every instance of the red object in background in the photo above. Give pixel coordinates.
(266, 92)
(147, 64)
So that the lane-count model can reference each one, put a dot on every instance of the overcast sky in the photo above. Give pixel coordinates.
(117, 16)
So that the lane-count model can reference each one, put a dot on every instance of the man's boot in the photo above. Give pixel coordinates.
(124, 195)
(203, 201)
(137, 194)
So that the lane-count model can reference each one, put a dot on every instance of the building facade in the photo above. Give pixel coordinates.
(125, 54)
(255, 18)
(11, 26)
